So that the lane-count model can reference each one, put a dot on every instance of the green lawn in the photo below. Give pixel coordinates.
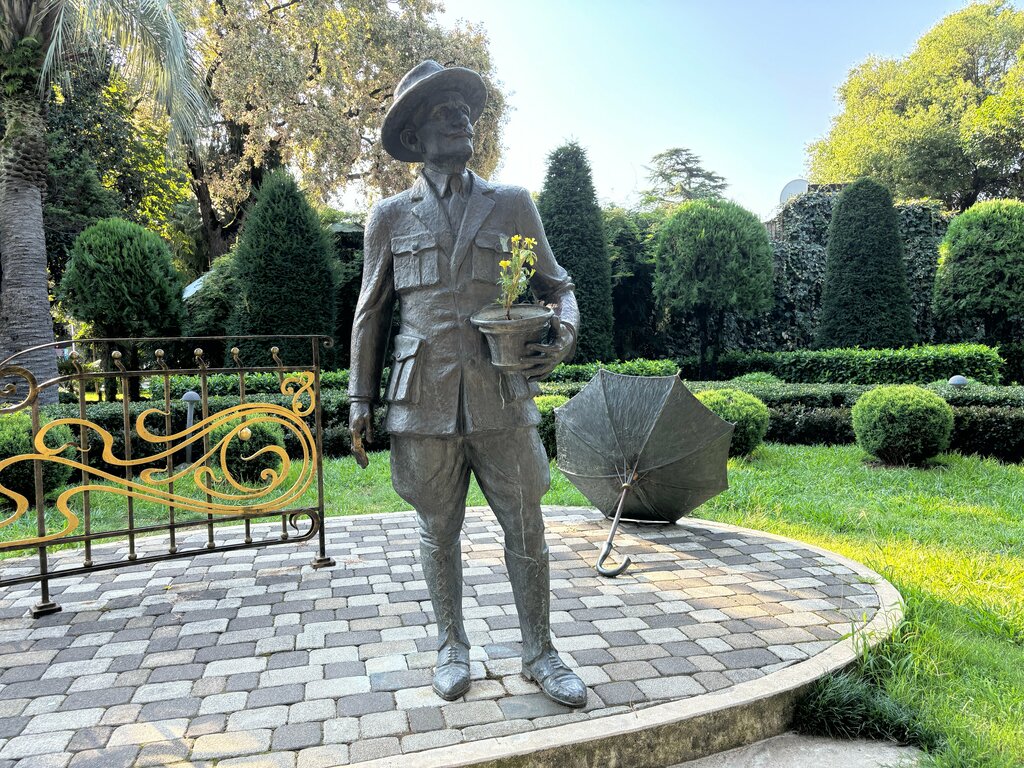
(950, 537)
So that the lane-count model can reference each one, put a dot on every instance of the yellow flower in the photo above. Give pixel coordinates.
(516, 238)
(505, 263)
(530, 242)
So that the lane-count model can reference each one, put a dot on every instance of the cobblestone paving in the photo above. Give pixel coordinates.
(253, 659)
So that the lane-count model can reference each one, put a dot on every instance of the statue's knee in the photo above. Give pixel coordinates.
(530, 545)
(440, 533)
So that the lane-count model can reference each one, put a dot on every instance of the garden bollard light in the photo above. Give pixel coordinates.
(190, 398)
(957, 381)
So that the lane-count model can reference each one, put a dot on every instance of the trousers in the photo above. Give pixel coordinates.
(511, 467)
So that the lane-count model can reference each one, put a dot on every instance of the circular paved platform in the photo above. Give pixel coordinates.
(253, 659)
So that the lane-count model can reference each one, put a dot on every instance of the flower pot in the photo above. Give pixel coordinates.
(507, 339)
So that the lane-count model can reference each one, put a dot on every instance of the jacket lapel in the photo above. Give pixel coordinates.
(478, 207)
(427, 209)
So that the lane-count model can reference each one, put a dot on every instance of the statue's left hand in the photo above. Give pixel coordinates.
(544, 357)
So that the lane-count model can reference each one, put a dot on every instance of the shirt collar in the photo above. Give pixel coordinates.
(440, 181)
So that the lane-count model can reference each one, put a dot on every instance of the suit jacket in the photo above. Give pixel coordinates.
(442, 381)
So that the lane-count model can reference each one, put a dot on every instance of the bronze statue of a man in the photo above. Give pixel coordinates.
(436, 247)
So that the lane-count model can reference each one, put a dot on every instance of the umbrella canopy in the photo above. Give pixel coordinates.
(642, 447)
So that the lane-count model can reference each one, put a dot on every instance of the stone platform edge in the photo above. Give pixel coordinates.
(677, 731)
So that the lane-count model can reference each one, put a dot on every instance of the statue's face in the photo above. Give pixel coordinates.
(443, 133)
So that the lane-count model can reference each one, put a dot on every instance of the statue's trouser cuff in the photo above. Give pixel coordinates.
(511, 467)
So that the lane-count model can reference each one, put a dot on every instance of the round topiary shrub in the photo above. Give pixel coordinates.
(261, 434)
(747, 412)
(16, 440)
(902, 424)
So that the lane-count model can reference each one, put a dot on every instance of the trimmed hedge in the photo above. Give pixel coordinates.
(912, 365)
(802, 425)
(336, 438)
(979, 394)
(226, 384)
(898, 366)
(995, 432)
(799, 237)
(546, 404)
(640, 367)
(833, 395)
(989, 420)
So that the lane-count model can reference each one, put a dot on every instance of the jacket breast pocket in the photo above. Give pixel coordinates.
(403, 386)
(491, 247)
(415, 258)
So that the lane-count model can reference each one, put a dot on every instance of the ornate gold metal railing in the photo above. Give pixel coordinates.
(186, 494)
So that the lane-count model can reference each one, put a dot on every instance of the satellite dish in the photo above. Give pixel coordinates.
(792, 189)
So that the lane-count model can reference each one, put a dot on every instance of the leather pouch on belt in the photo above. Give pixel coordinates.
(403, 386)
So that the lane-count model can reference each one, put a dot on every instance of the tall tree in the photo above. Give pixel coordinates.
(865, 301)
(306, 85)
(575, 229)
(284, 273)
(676, 175)
(628, 235)
(713, 260)
(946, 121)
(980, 278)
(107, 157)
(34, 38)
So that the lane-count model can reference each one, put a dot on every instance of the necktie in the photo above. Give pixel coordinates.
(456, 202)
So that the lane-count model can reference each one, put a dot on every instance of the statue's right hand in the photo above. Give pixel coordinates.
(360, 420)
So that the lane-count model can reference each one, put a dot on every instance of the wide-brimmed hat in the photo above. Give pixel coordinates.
(420, 82)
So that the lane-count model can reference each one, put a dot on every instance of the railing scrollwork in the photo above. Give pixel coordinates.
(106, 466)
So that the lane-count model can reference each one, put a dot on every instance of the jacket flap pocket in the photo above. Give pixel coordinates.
(406, 346)
(413, 243)
(492, 240)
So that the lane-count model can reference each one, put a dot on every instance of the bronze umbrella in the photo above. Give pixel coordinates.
(641, 448)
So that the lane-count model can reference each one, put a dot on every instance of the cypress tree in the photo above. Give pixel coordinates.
(575, 229)
(630, 247)
(283, 273)
(865, 301)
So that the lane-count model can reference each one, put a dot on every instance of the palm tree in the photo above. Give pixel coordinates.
(35, 37)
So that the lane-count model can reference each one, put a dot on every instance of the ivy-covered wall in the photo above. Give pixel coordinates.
(799, 239)
(923, 224)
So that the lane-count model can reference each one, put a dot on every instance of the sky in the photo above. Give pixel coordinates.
(745, 84)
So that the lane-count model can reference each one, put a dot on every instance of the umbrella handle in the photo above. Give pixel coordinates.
(606, 550)
(611, 573)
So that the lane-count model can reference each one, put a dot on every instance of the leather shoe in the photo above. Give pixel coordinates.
(559, 683)
(451, 675)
